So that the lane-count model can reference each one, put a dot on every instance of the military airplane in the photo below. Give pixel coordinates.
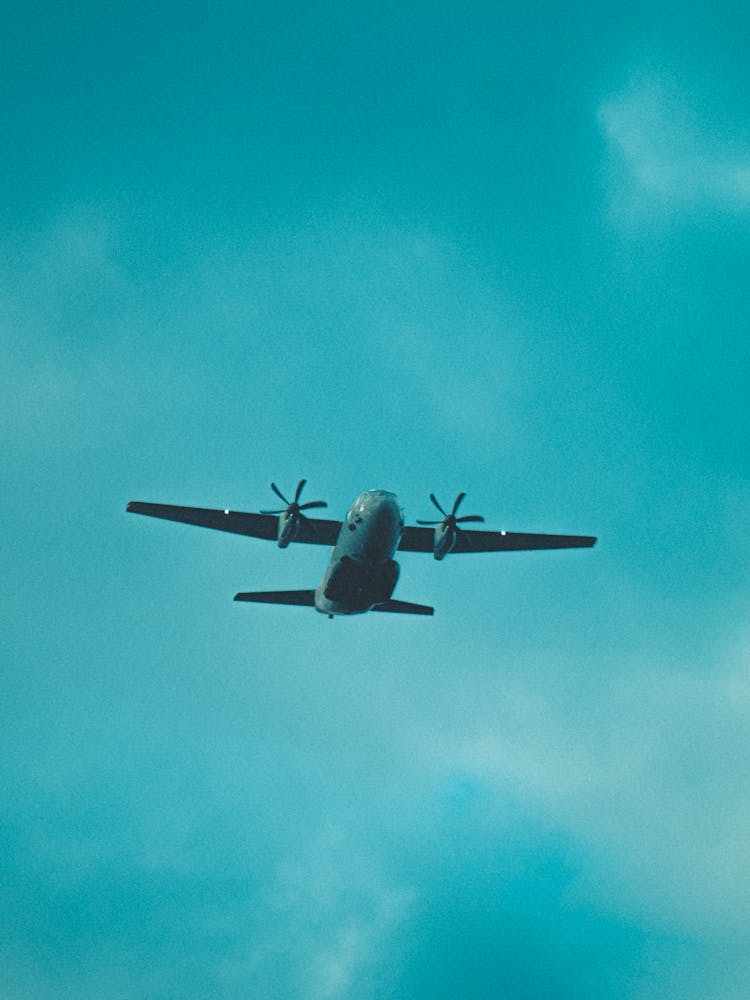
(361, 573)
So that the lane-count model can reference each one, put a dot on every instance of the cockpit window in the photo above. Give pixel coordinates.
(360, 504)
(364, 501)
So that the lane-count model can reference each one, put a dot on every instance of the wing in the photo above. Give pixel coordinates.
(416, 539)
(315, 531)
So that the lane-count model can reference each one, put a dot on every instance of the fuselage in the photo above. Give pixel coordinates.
(362, 572)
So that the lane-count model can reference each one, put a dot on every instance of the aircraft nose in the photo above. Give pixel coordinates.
(385, 507)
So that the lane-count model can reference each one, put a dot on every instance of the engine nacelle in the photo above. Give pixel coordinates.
(446, 531)
(445, 539)
(289, 516)
(288, 528)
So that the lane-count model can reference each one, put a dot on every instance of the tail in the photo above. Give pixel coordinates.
(404, 608)
(304, 598)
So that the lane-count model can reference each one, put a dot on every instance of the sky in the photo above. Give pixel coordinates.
(499, 249)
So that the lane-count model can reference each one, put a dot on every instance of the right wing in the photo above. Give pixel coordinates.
(419, 539)
(313, 530)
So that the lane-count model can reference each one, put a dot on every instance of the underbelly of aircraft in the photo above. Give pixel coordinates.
(352, 587)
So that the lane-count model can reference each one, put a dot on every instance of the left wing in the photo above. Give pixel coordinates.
(315, 531)
(416, 539)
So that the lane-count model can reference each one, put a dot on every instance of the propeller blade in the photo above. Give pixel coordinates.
(279, 494)
(470, 517)
(429, 522)
(457, 504)
(434, 500)
(294, 508)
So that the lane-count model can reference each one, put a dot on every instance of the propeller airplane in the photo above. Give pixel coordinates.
(362, 573)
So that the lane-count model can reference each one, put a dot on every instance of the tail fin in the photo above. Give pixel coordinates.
(304, 598)
(404, 608)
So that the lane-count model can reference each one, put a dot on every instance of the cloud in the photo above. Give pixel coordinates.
(641, 765)
(666, 158)
(325, 922)
(90, 339)
(74, 332)
(457, 817)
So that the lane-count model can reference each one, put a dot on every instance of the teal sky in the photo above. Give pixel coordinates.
(427, 249)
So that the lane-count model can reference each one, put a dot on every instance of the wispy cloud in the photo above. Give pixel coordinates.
(71, 316)
(666, 159)
(648, 782)
(325, 923)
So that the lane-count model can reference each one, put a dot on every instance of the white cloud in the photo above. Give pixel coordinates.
(74, 332)
(326, 920)
(644, 770)
(665, 159)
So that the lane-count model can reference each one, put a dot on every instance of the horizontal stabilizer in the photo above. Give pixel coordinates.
(304, 598)
(404, 608)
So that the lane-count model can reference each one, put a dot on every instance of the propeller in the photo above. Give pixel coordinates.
(450, 520)
(294, 508)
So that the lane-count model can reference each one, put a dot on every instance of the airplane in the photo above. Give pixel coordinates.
(362, 573)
